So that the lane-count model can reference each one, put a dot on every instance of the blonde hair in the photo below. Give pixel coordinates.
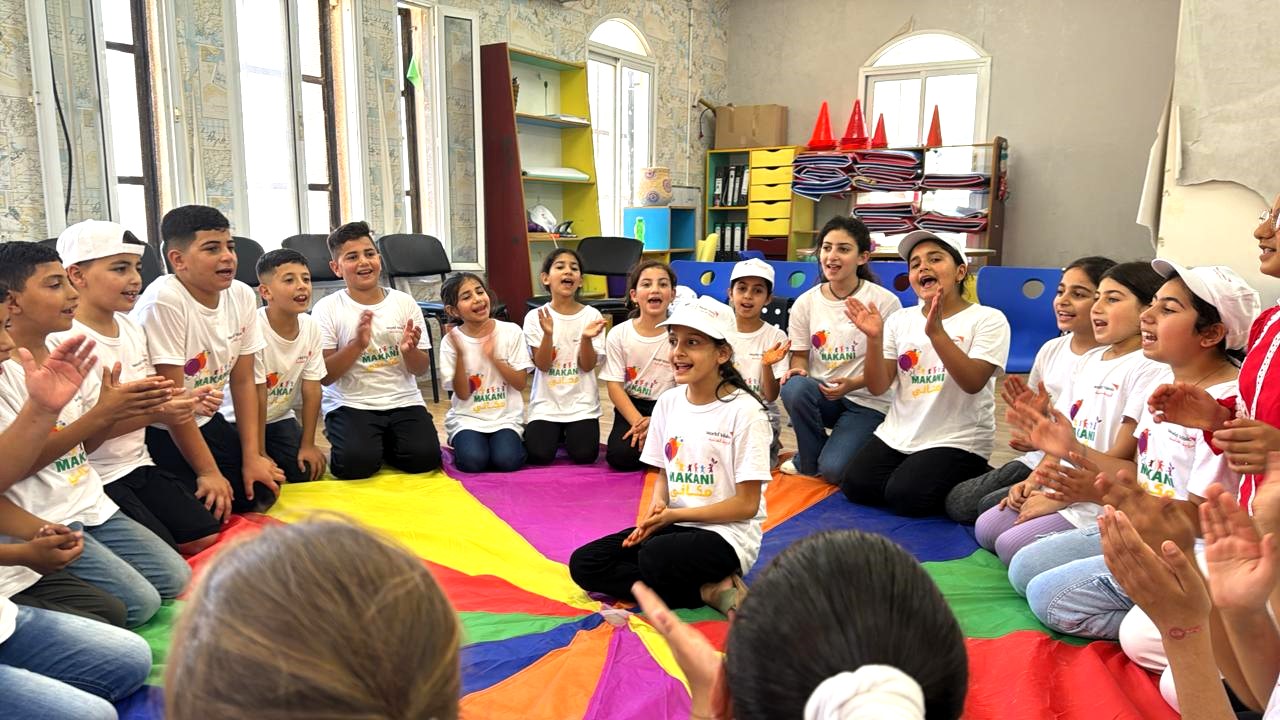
(319, 619)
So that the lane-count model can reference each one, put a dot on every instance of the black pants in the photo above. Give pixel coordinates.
(914, 485)
(581, 439)
(224, 443)
(63, 592)
(618, 451)
(284, 437)
(159, 501)
(404, 438)
(675, 562)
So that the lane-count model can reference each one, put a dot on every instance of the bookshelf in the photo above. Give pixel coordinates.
(547, 126)
(669, 232)
(772, 219)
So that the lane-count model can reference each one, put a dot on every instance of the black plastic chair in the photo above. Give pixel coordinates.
(248, 252)
(608, 256)
(315, 248)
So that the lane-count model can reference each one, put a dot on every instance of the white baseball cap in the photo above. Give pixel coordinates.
(915, 237)
(94, 239)
(1221, 287)
(752, 267)
(706, 315)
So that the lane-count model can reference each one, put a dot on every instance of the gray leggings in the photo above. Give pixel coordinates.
(975, 496)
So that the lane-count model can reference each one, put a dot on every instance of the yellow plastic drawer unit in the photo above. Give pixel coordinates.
(764, 193)
(769, 210)
(771, 176)
(772, 158)
(758, 227)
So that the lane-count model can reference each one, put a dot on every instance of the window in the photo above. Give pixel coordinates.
(286, 101)
(620, 89)
(130, 123)
(908, 77)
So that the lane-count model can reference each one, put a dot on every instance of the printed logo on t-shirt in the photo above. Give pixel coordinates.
(380, 357)
(1156, 476)
(923, 381)
(562, 373)
(198, 368)
(1106, 389)
(1086, 429)
(833, 354)
(637, 387)
(692, 477)
(74, 465)
(493, 397)
(278, 392)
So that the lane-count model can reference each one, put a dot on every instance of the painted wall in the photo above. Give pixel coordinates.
(1077, 87)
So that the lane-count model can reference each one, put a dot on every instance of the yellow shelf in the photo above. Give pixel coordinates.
(728, 207)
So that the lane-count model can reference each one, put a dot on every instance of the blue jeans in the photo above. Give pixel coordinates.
(57, 666)
(1080, 598)
(129, 561)
(501, 451)
(1053, 551)
(812, 413)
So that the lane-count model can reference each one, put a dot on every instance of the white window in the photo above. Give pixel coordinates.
(285, 111)
(438, 53)
(909, 76)
(620, 89)
(131, 128)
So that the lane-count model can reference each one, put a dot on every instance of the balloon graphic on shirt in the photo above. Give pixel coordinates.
(908, 360)
(273, 379)
(672, 447)
(819, 339)
(474, 382)
(195, 364)
(1075, 408)
(1142, 441)
(631, 373)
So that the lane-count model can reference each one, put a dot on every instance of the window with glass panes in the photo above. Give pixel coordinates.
(131, 122)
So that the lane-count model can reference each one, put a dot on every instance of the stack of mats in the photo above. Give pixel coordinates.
(890, 218)
(970, 222)
(815, 174)
(538, 647)
(887, 170)
(975, 182)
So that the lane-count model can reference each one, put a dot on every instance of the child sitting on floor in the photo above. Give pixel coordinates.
(374, 350)
(637, 368)
(290, 362)
(566, 339)
(486, 364)
(709, 438)
(368, 631)
(759, 348)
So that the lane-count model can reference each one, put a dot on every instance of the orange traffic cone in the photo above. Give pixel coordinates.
(855, 134)
(878, 140)
(821, 139)
(935, 131)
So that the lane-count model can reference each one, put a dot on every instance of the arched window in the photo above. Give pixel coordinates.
(620, 77)
(909, 75)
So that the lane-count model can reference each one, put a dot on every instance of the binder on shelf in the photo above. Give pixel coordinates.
(742, 192)
(732, 194)
(717, 196)
(720, 234)
(739, 236)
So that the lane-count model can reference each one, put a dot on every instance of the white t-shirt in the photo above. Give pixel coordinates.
(1101, 395)
(494, 405)
(204, 342)
(706, 451)
(748, 349)
(379, 379)
(642, 364)
(64, 491)
(565, 394)
(121, 455)
(282, 365)
(836, 348)
(1174, 461)
(929, 409)
(1054, 365)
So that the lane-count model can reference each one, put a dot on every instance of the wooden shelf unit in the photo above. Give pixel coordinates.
(772, 215)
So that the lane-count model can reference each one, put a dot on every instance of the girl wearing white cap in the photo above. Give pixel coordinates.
(938, 363)
(759, 348)
(826, 386)
(709, 439)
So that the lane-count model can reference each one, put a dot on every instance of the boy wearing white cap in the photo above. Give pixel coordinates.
(709, 439)
(103, 262)
(759, 348)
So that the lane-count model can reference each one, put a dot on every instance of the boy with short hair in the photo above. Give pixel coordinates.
(103, 262)
(202, 331)
(290, 362)
(374, 349)
(62, 492)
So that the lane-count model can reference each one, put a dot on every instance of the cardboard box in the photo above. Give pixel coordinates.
(747, 126)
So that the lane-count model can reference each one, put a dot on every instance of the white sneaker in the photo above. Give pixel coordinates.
(788, 468)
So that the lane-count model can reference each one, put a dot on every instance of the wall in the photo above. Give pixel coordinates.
(22, 215)
(1077, 87)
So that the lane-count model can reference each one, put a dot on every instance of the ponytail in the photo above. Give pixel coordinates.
(730, 376)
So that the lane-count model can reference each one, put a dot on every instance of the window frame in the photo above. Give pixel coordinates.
(981, 66)
(622, 60)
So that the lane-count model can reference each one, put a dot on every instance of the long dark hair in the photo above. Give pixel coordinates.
(449, 293)
(730, 376)
(550, 260)
(860, 234)
(852, 599)
(1139, 277)
(1095, 266)
(633, 279)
